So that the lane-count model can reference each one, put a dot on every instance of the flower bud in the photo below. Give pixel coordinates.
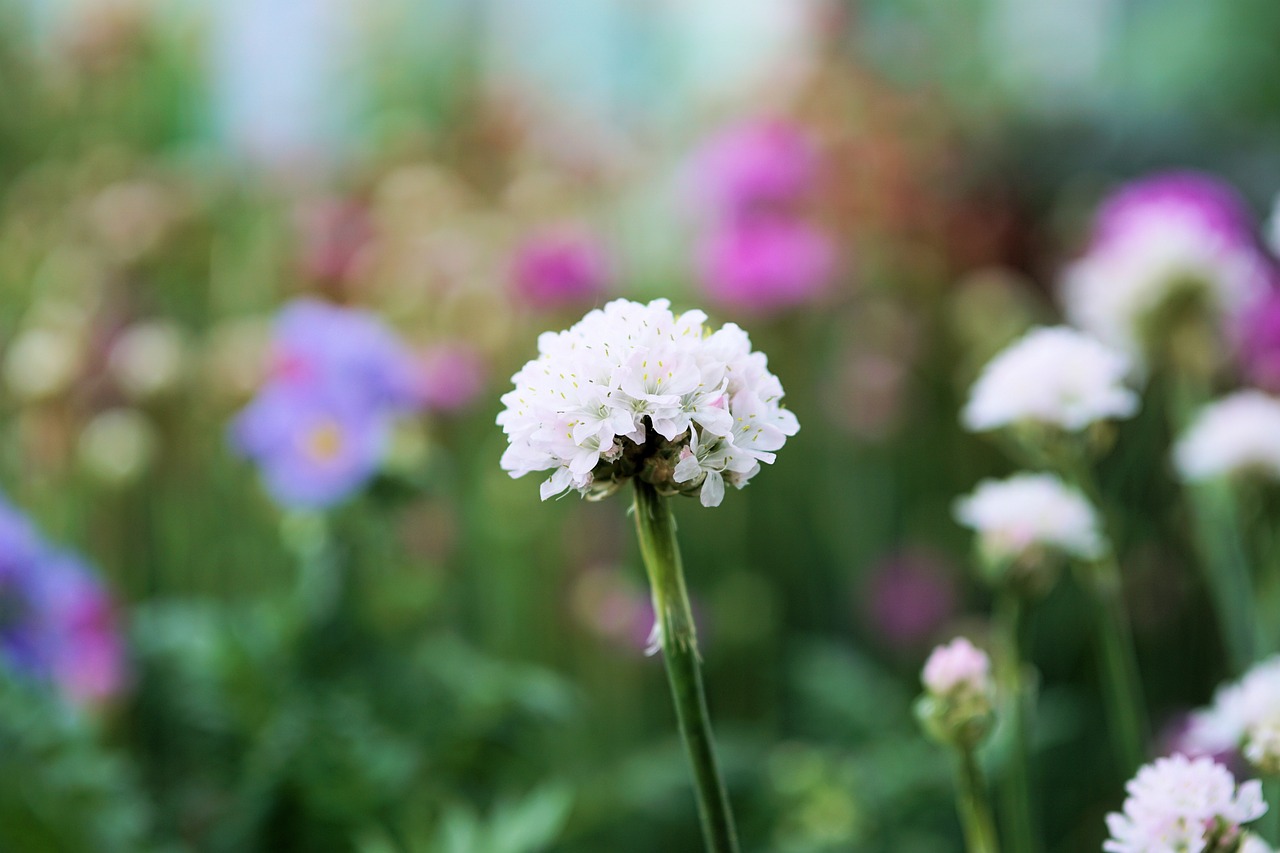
(957, 707)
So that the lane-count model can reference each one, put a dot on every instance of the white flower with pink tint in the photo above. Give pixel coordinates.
(1244, 715)
(1031, 512)
(1183, 804)
(1238, 434)
(958, 666)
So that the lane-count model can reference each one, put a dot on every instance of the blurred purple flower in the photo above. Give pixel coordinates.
(765, 264)
(316, 344)
(57, 619)
(1258, 343)
(908, 596)
(561, 266)
(314, 447)
(450, 376)
(761, 163)
(1203, 198)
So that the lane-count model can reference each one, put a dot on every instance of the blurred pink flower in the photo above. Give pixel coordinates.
(765, 264)
(908, 596)
(1212, 203)
(450, 376)
(561, 266)
(760, 163)
(1258, 344)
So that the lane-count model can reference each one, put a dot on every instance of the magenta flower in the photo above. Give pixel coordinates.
(761, 163)
(561, 266)
(1211, 203)
(1258, 343)
(765, 264)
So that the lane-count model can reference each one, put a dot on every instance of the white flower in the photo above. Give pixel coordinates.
(1244, 714)
(636, 390)
(1238, 434)
(1031, 511)
(1182, 804)
(1253, 844)
(958, 665)
(1121, 283)
(1054, 376)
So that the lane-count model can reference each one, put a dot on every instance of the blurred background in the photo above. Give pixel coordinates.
(439, 661)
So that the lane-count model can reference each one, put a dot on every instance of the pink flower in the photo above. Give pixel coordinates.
(450, 376)
(908, 596)
(757, 164)
(765, 264)
(561, 266)
(958, 665)
(1258, 344)
(1213, 204)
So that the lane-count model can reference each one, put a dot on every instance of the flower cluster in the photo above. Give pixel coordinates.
(759, 253)
(1054, 377)
(1166, 241)
(636, 390)
(1239, 434)
(959, 697)
(319, 426)
(1179, 803)
(1244, 715)
(1028, 515)
(57, 620)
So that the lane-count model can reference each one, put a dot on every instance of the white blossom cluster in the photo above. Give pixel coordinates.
(635, 390)
(1244, 715)
(1183, 804)
(1115, 289)
(1051, 376)
(1238, 434)
(1027, 512)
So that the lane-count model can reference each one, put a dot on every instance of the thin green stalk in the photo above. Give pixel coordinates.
(973, 805)
(657, 532)
(1268, 826)
(1121, 682)
(1015, 786)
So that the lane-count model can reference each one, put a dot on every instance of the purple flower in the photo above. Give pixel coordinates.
(451, 376)
(761, 163)
(317, 344)
(765, 264)
(559, 267)
(314, 447)
(1258, 343)
(57, 620)
(908, 596)
(1211, 203)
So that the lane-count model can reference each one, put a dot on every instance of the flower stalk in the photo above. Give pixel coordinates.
(973, 805)
(1015, 786)
(1121, 682)
(677, 636)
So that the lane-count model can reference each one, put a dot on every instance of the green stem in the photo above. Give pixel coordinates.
(1268, 826)
(973, 806)
(1015, 785)
(657, 532)
(1121, 682)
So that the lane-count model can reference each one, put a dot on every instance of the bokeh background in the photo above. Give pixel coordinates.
(442, 662)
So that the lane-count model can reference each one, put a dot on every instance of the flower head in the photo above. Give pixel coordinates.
(1057, 377)
(561, 266)
(57, 619)
(319, 427)
(765, 264)
(1183, 804)
(450, 376)
(1237, 435)
(1244, 715)
(759, 163)
(959, 697)
(1160, 244)
(635, 390)
(1027, 517)
(1258, 343)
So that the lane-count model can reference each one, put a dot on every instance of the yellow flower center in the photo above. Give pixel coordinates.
(324, 441)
